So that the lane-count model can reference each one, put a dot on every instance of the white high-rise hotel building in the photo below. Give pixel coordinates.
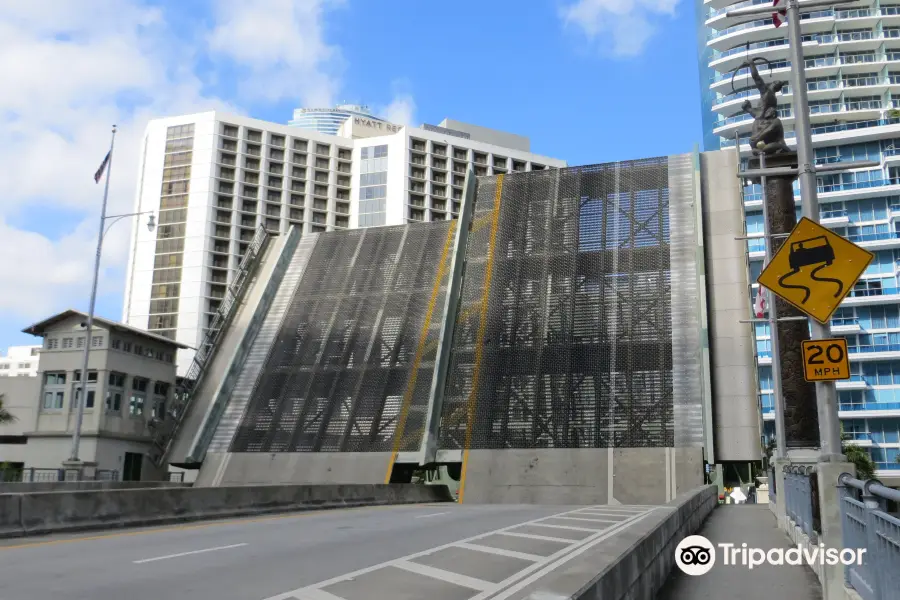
(214, 178)
(852, 62)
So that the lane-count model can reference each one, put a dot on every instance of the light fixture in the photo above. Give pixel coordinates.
(151, 223)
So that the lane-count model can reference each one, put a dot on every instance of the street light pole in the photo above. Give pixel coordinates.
(76, 437)
(826, 392)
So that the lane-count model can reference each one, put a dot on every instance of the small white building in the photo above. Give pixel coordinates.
(130, 379)
(20, 361)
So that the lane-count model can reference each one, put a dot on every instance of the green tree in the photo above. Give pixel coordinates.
(6, 417)
(865, 466)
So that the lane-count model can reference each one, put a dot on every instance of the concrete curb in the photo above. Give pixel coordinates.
(55, 512)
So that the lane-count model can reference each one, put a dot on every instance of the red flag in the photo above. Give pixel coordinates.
(777, 16)
(759, 307)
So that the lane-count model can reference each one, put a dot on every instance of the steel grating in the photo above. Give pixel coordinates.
(565, 332)
(355, 353)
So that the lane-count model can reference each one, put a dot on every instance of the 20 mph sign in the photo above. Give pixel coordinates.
(825, 360)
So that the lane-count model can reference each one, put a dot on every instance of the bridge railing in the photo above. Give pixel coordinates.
(867, 523)
(801, 498)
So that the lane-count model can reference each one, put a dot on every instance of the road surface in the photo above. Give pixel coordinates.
(434, 551)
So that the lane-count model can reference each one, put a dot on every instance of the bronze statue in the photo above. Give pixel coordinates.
(767, 135)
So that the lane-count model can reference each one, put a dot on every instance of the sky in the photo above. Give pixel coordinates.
(588, 81)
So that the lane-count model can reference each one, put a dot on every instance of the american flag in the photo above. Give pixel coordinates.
(759, 307)
(102, 168)
(779, 15)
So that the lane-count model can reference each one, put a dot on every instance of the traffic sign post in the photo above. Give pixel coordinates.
(815, 269)
(826, 360)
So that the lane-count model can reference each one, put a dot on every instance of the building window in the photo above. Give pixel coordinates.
(79, 343)
(373, 186)
(24, 365)
(138, 397)
(96, 341)
(92, 376)
(160, 395)
(126, 346)
(52, 343)
(116, 344)
(90, 397)
(53, 400)
(54, 390)
(115, 391)
(67, 343)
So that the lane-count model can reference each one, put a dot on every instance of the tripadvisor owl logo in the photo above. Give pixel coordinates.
(695, 555)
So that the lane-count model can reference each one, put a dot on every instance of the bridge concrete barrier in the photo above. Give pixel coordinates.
(635, 562)
(10, 515)
(50, 512)
(72, 486)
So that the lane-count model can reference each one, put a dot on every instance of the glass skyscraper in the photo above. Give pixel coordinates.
(329, 120)
(852, 62)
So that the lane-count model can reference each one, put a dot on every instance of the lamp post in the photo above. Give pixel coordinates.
(151, 225)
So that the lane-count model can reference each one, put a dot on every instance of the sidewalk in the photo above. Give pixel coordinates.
(738, 523)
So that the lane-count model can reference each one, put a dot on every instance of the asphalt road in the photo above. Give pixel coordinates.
(398, 552)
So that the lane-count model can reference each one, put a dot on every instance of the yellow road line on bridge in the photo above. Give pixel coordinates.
(420, 352)
(472, 402)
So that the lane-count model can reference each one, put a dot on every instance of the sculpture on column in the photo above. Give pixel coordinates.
(767, 135)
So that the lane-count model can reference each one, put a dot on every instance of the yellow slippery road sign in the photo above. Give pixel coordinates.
(815, 269)
(825, 360)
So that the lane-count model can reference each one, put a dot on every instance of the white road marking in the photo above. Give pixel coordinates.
(501, 552)
(532, 536)
(448, 576)
(168, 556)
(589, 520)
(606, 513)
(432, 515)
(570, 527)
(616, 510)
(570, 545)
(547, 568)
(314, 594)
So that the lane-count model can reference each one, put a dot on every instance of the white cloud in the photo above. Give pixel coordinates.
(620, 26)
(70, 71)
(401, 110)
(281, 47)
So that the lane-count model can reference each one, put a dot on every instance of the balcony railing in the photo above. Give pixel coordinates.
(874, 347)
(853, 406)
(715, 12)
(844, 321)
(858, 185)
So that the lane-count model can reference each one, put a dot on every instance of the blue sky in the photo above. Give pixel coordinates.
(587, 80)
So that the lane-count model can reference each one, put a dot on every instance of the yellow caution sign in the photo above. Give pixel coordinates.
(825, 360)
(815, 269)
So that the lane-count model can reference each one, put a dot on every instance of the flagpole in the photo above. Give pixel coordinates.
(76, 437)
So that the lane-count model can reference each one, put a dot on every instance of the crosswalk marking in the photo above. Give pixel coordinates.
(532, 536)
(501, 551)
(315, 594)
(570, 527)
(589, 520)
(456, 578)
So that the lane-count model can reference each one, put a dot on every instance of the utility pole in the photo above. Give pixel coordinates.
(831, 461)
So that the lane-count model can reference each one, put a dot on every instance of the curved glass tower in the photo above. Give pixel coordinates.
(329, 120)
(852, 62)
